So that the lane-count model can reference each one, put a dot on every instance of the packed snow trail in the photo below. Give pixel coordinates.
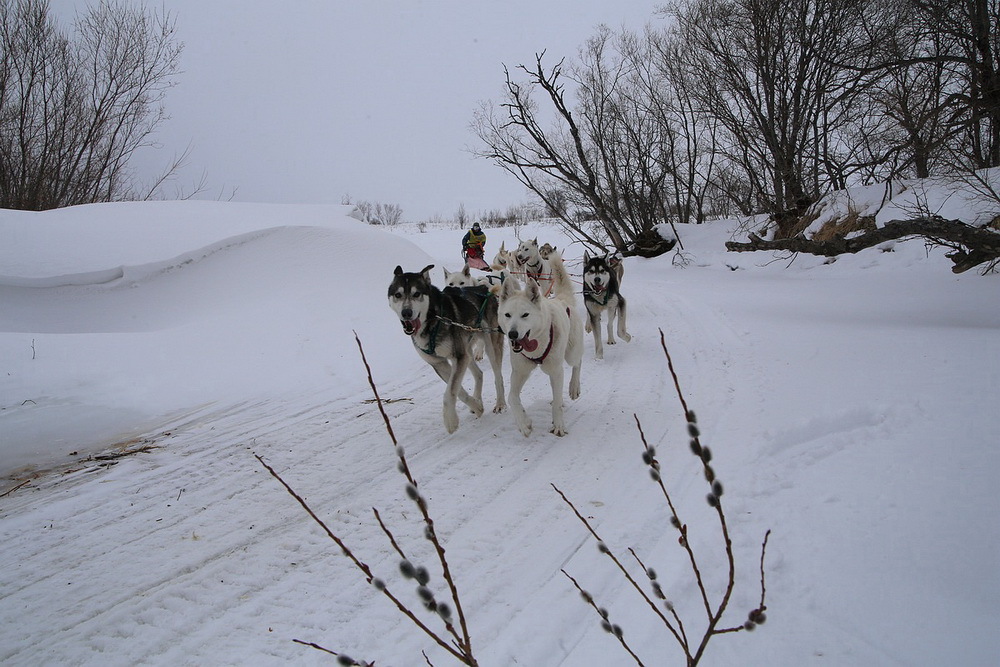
(190, 553)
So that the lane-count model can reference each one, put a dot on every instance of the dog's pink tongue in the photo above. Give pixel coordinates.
(528, 344)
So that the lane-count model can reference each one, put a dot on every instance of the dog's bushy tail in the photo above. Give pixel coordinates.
(562, 286)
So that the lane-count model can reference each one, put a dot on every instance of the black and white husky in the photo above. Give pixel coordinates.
(602, 293)
(544, 333)
(441, 324)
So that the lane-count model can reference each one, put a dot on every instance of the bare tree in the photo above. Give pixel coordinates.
(591, 163)
(377, 213)
(972, 29)
(765, 73)
(75, 109)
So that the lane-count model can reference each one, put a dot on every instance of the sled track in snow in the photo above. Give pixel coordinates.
(84, 571)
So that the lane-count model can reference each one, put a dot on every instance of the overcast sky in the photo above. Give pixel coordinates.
(306, 101)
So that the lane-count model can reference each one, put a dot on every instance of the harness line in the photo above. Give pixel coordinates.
(429, 350)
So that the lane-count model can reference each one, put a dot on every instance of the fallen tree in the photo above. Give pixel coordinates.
(970, 246)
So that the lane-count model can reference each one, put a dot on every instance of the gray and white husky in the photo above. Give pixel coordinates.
(441, 324)
(602, 293)
(543, 333)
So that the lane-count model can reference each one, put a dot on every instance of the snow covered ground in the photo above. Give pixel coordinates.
(851, 408)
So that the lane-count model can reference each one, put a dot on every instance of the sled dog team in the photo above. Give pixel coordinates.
(453, 327)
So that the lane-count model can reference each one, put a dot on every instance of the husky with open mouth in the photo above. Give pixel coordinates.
(442, 324)
(527, 262)
(543, 333)
(602, 294)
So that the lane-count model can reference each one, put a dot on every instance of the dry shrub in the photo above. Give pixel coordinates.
(840, 227)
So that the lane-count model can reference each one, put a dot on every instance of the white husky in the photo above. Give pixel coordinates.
(543, 333)
(528, 262)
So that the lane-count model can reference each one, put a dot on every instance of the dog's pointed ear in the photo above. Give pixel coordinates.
(398, 271)
(467, 272)
(445, 272)
(508, 285)
(586, 256)
(534, 291)
(427, 271)
(502, 247)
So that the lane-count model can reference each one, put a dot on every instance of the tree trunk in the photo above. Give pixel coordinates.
(971, 246)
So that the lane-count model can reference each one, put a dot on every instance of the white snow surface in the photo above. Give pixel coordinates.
(851, 408)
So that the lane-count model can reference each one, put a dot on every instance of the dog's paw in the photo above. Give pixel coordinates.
(574, 391)
(626, 337)
(499, 407)
(611, 341)
(559, 431)
(587, 328)
(450, 421)
(524, 427)
(476, 406)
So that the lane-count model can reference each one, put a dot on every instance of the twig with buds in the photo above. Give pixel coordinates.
(460, 646)
(714, 611)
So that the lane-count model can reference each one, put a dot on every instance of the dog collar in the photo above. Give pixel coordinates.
(548, 348)
(589, 294)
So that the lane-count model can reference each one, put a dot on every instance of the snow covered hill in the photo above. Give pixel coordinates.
(851, 407)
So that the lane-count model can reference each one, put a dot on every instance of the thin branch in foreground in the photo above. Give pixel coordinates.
(714, 611)
(606, 623)
(460, 646)
(341, 658)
